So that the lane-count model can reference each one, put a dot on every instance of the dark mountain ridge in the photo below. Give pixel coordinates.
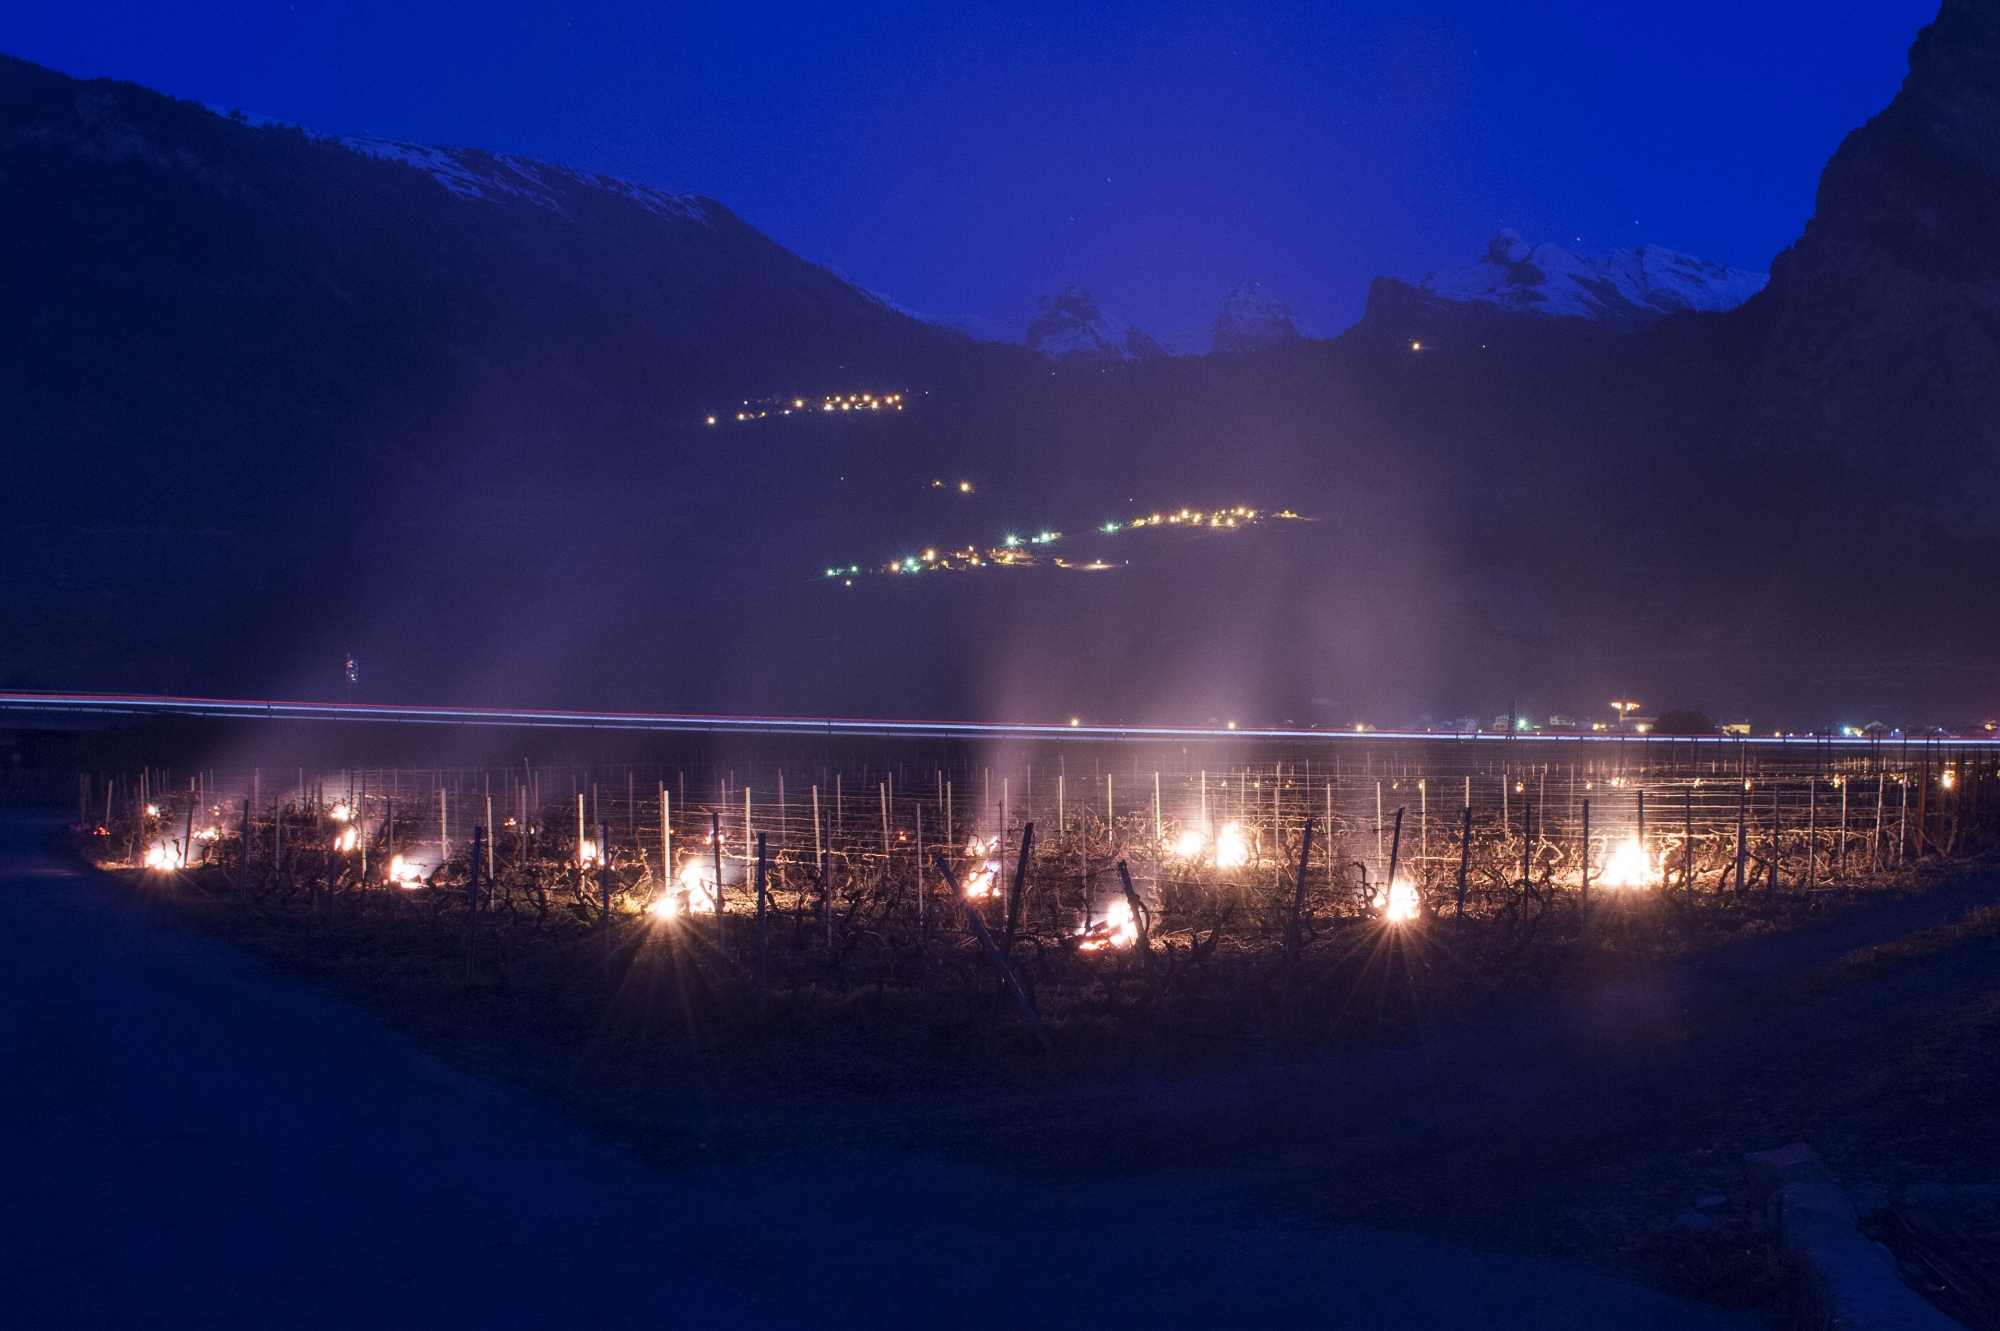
(278, 400)
(1884, 351)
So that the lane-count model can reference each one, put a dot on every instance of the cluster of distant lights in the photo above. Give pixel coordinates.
(1016, 551)
(759, 410)
(1220, 519)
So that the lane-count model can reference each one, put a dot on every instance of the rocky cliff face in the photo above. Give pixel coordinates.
(1627, 291)
(1884, 353)
(1251, 320)
(1069, 327)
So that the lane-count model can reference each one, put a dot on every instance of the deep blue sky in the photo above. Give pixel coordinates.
(964, 159)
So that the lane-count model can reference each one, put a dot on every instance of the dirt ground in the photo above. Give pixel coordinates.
(1600, 1126)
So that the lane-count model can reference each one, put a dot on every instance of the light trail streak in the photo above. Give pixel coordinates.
(116, 705)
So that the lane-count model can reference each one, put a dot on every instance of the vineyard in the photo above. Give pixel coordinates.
(1089, 905)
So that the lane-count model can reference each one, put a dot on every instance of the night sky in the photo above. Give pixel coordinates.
(965, 159)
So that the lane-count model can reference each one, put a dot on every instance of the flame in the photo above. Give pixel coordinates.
(983, 878)
(1189, 844)
(697, 880)
(405, 874)
(347, 840)
(1116, 929)
(1400, 905)
(1232, 848)
(1627, 866)
(587, 854)
(164, 855)
(340, 813)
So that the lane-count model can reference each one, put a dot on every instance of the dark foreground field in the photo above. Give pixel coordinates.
(208, 1140)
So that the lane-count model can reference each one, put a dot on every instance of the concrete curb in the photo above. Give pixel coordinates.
(1846, 1281)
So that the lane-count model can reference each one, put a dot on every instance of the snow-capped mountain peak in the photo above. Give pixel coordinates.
(1631, 287)
(1068, 325)
(473, 174)
(1250, 319)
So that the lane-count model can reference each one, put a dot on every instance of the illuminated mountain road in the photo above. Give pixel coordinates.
(193, 1141)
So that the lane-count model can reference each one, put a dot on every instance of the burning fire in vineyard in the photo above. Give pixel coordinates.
(1627, 866)
(1118, 929)
(983, 878)
(1256, 871)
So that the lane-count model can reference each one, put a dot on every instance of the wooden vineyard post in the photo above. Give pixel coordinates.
(1742, 831)
(1777, 842)
(1464, 853)
(1840, 855)
(1007, 976)
(715, 842)
(1812, 834)
(604, 882)
(1584, 859)
(763, 935)
(1527, 851)
(243, 859)
(1298, 894)
(1875, 846)
(472, 902)
(1138, 909)
(1923, 809)
(1020, 878)
(1903, 821)
(1395, 850)
(1157, 832)
(333, 876)
(819, 864)
(1687, 848)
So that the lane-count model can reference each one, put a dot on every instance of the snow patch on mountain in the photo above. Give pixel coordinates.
(1631, 287)
(1250, 320)
(1069, 326)
(473, 174)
